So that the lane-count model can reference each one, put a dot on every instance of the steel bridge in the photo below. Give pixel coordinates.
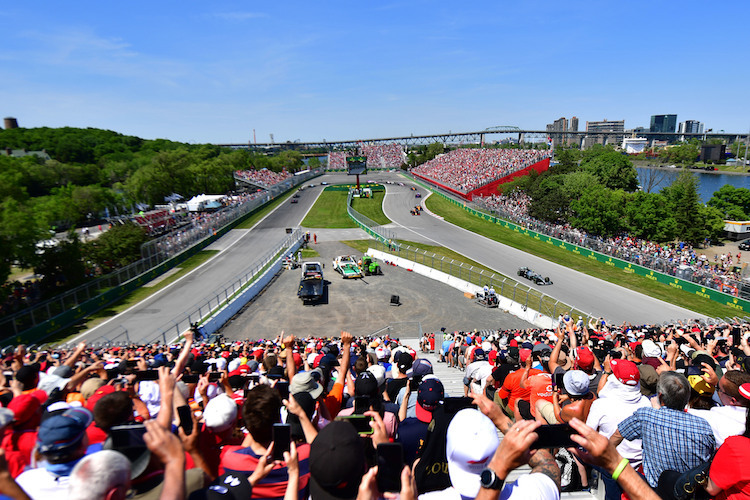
(481, 137)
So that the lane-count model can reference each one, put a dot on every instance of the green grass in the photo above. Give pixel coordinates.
(457, 215)
(372, 208)
(131, 299)
(309, 253)
(329, 211)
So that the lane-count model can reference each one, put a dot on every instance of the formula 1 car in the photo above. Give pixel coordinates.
(311, 286)
(347, 266)
(533, 276)
(418, 195)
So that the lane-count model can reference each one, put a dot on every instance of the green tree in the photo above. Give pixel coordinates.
(614, 170)
(118, 247)
(567, 161)
(733, 203)
(685, 206)
(20, 230)
(61, 263)
(598, 210)
(713, 221)
(549, 201)
(649, 217)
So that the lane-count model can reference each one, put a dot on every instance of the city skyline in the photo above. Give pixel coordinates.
(216, 72)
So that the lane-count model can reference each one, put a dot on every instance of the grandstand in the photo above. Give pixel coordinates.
(478, 172)
(379, 157)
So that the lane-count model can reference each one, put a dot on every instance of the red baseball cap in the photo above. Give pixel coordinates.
(523, 355)
(625, 371)
(584, 357)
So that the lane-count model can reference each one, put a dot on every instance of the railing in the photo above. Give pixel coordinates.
(637, 256)
(503, 285)
(371, 227)
(207, 306)
(153, 253)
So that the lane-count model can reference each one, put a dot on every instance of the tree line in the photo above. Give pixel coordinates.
(597, 190)
(92, 172)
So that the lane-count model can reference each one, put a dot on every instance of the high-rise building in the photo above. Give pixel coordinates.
(663, 123)
(557, 131)
(690, 127)
(594, 131)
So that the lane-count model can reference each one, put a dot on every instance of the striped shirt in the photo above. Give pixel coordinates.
(672, 440)
(239, 460)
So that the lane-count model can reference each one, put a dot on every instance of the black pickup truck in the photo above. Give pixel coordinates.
(311, 286)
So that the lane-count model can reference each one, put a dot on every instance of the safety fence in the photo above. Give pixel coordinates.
(206, 310)
(701, 289)
(47, 317)
(371, 227)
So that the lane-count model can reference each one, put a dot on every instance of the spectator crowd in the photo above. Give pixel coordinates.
(263, 177)
(679, 259)
(379, 156)
(467, 169)
(656, 411)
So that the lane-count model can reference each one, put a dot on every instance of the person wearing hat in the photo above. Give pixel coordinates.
(677, 440)
(62, 443)
(729, 475)
(477, 372)
(420, 369)
(511, 391)
(337, 462)
(403, 361)
(618, 399)
(727, 419)
(366, 387)
(413, 430)
(572, 400)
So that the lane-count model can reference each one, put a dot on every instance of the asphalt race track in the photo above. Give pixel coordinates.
(240, 248)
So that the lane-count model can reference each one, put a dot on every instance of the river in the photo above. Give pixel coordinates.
(662, 177)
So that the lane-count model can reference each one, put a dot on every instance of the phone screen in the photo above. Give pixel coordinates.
(147, 375)
(283, 387)
(214, 376)
(361, 405)
(361, 423)
(190, 378)
(390, 464)
(281, 437)
(554, 436)
(186, 419)
(127, 436)
(557, 380)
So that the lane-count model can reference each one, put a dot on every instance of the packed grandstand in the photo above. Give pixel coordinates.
(379, 156)
(649, 406)
(467, 169)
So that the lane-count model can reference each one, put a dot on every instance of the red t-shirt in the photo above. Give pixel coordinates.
(244, 460)
(511, 388)
(540, 387)
(730, 469)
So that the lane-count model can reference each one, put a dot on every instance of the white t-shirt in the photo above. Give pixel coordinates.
(42, 485)
(533, 486)
(725, 421)
(616, 403)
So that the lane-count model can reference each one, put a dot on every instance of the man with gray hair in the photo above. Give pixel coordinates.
(99, 476)
(672, 439)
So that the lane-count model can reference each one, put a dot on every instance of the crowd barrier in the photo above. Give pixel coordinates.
(627, 267)
(39, 322)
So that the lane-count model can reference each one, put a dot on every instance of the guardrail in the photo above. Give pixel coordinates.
(49, 316)
(700, 289)
(368, 225)
(208, 307)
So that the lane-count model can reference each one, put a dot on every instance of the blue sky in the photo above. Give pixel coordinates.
(214, 71)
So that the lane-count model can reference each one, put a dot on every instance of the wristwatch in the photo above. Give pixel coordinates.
(489, 480)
